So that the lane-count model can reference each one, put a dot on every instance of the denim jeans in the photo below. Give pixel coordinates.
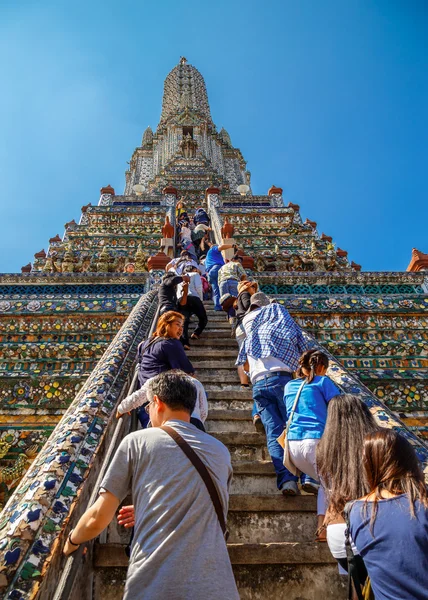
(213, 280)
(229, 286)
(254, 411)
(268, 394)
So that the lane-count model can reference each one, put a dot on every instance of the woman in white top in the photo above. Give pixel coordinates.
(139, 398)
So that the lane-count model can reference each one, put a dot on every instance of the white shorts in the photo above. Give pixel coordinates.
(336, 540)
(303, 455)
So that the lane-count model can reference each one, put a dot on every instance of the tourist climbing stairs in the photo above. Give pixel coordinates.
(271, 541)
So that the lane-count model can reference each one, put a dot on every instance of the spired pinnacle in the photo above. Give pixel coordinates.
(184, 88)
(225, 137)
(147, 137)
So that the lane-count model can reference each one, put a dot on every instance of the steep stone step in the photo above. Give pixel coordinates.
(212, 342)
(271, 527)
(231, 403)
(224, 420)
(215, 353)
(219, 414)
(231, 392)
(280, 553)
(237, 439)
(113, 555)
(217, 324)
(247, 446)
(253, 483)
(217, 375)
(280, 503)
(290, 580)
(214, 364)
(253, 467)
(295, 570)
(218, 332)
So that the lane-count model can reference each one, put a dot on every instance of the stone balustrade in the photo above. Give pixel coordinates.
(383, 415)
(62, 476)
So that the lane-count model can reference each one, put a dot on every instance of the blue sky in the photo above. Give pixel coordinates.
(327, 99)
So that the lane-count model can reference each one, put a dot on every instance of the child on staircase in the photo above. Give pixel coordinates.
(307, 421)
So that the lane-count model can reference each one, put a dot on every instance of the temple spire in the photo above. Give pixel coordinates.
(184, 87)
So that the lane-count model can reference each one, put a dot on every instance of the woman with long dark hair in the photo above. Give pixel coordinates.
(389, 525)
(339, 464)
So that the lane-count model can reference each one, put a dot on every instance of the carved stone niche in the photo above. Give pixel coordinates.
(188, 146)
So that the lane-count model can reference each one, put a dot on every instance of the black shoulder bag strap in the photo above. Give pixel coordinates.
(352, 567)
(203, 472)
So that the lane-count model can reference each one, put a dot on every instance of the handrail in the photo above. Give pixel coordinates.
(350, 384)
(73, 561)
(51, 492)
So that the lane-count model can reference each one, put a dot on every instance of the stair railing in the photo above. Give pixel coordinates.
(56, 488)
(74, 561)
(385, 417)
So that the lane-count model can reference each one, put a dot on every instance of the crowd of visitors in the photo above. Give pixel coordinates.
(371, 496)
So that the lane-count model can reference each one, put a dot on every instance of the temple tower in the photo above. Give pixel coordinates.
(72, 320)
(186, 151)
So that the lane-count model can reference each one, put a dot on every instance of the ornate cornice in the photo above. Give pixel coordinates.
(339, 277)
(42, 278)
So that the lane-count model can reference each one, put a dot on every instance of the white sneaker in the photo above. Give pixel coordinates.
(310, 488)
(289, 488)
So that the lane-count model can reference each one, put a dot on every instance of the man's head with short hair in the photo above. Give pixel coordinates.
(170, 392)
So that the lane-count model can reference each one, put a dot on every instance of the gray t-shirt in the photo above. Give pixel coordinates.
(178, 551)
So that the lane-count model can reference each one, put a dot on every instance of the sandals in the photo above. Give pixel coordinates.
(321, 534)
(194, 336)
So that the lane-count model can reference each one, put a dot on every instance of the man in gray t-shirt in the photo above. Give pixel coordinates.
(178, 550)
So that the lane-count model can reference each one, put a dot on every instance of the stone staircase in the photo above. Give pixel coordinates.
(271, 537)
